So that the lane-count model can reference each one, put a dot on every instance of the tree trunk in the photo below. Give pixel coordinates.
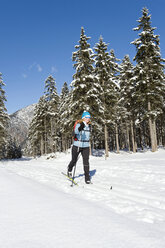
(52, 134)
(45, 136)
(151, 135)
(106, 141)
(133, 140)
(127, 134)
(117, 138)
(155, 135)
(42, 145)
(152, 128)
(160, 133)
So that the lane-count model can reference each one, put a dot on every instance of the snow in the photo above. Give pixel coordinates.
(25, 115)
(39, 209)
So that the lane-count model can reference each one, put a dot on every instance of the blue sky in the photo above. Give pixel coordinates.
(37, 39)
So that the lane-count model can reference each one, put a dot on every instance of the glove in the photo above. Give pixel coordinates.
(81, 127)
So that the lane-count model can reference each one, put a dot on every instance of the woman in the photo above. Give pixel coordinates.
(81, 145)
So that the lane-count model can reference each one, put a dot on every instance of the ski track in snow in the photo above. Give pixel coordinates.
(137, 180)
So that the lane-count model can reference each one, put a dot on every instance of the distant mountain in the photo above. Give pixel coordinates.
(19, 124)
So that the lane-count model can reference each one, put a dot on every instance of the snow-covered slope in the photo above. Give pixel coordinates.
(24, 114)
(19, 123)
(39, 208)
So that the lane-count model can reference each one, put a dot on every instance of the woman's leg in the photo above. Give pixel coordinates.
(75, 154)
(85, 155)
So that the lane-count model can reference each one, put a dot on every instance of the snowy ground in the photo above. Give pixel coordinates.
(39, 209)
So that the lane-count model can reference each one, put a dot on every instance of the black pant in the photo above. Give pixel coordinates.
(85, 155)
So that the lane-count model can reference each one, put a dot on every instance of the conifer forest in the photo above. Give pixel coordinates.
(126, 99)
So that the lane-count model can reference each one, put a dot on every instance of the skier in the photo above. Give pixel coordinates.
(82, 130)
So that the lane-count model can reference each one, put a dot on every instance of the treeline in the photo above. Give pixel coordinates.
(126, 101)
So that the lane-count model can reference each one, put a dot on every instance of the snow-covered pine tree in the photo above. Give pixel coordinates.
(84, 85)
(52, 116)
(102, 71)
(44, 131)
(127, 100)
(106, 69)
(50, 88)
(149, 74)
(116, 111)
(65, 121)
(12, 150)
(38, 129)
(64, 91)
(3, 118)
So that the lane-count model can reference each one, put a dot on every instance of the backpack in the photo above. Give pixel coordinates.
(73, 132)
(74, 136)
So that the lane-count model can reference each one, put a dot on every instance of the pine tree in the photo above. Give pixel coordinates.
(102, 71)
(50, 89)
(149, 74)
(13, 150)
(38, 129)
(65, 121)
(127, 97)
(52, 116)
(113, 94)
(3, 118)
(83, 84)
(64, 91)
(44, 128)
(106, 69)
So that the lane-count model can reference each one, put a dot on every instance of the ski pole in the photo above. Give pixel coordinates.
(75, 170)
(74, 174)
(76, 160)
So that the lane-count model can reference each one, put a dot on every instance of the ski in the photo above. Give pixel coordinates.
(70, 178)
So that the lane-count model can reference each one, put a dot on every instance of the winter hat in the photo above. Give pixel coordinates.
(86, 115)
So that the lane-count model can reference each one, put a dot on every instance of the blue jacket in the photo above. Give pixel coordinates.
(82, 136)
